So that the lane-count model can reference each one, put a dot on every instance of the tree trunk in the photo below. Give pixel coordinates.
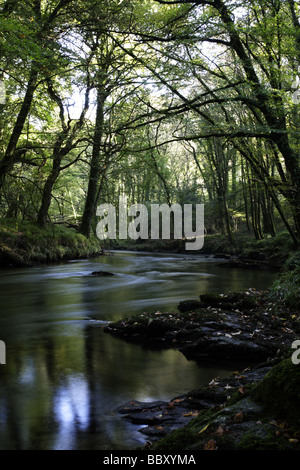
(47, 196)
(8, 159)
(95, 170)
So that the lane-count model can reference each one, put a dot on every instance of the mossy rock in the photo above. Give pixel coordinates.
(279, 392)
(232, 300)
(180, 439)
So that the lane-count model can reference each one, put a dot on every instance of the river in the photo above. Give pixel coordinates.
(64, 377)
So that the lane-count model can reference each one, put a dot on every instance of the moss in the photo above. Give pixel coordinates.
(28, 242)
(279, 392)
(177, 440)
(232, 300)
(237, 396)
(287, 287)
(266, 440)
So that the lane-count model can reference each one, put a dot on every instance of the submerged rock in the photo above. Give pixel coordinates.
(102, 273)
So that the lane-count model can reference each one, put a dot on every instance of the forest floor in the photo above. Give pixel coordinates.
(256, 407)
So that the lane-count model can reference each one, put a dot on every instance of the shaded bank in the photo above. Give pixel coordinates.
(23, 244)
(268, 253)
(252, 409)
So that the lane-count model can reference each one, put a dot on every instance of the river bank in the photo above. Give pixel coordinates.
(247, 253)
(247, 330)
(24, 244)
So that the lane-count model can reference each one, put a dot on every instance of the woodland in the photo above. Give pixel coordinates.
(166, 102)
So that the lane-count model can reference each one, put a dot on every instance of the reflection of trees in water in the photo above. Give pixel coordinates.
(61, 388)
(26, 398)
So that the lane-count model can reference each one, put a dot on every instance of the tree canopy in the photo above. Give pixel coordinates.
(164, 101)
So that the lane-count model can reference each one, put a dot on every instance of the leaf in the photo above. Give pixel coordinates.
(187, 414)
(210, 445)
(204, 429)
(220, 431)
(214, 382)
(242, 390)
(293, 441)
(238, 418)
(171, 405)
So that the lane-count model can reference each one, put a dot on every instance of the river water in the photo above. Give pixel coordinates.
(64, 377)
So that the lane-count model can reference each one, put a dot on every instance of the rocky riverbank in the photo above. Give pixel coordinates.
(245, 330)
(249, 410)
(221, 328)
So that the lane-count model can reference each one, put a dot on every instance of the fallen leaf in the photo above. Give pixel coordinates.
(293, 441)
(273, 423)
(210, 445)
(220, 431)
(238, 418)
(187, 414)
(203, 429)
(213, 382)
(242, 390)
(227, 387)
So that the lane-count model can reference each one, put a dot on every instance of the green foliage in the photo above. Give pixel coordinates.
(279, 392)
(178, 440)
(287, 288)
(171, 129)
(50, 244)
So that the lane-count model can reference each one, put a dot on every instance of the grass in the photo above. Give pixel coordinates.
(36, 245)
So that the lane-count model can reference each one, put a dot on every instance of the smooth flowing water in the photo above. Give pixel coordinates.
(64, 377)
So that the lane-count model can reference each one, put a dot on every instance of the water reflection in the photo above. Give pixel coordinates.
(64, 376)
